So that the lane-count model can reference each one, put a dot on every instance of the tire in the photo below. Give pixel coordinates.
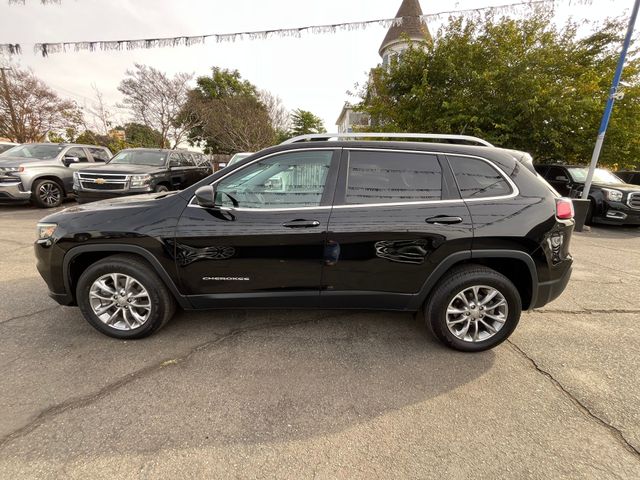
(126, 324)
(161, 188)
(462, 280)
(47, 193)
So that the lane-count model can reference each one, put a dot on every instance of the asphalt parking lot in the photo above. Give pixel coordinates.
(289, 394)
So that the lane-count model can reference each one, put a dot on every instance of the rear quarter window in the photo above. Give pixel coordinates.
(477, 178)
(392, 177)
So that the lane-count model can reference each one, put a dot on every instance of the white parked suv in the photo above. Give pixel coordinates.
(43, 172)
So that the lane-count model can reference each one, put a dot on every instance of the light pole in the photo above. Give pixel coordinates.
(610, 101)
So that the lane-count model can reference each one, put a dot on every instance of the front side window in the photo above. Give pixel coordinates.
(477, 179)
(392, 177)
(140, 157)
(78, 153)
(290, 180)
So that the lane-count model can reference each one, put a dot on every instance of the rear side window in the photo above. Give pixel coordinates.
(99, 154)
(392, 177)
(478, 179)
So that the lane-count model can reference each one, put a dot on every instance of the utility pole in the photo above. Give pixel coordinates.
(610, 101)
(7, 94)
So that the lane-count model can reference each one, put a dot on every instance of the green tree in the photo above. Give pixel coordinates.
(304, 122)
(525, 84)
(138, 135)
(228, 114)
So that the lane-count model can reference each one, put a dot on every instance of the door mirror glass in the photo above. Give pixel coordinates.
(206, 196)
(68, 160)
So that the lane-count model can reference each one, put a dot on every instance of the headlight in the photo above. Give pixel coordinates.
(613, 195)
(140, 180)
(45, 231)
(10, 169)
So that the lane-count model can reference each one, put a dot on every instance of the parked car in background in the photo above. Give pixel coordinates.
(237, 157)
(140, 170)
(43, 172)
(613, 201)
(4, 146)
(632, 177)
(470, 235)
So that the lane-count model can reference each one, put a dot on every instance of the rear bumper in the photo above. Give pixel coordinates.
(549, 291)
(13, 192)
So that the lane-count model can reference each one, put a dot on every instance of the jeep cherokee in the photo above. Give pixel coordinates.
(469, 235)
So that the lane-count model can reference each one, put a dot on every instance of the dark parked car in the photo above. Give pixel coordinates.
(629, 177)
(470, 235)
(613, 201)
(140, 170)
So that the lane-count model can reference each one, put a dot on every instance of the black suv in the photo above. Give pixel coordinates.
(140, 170)
(613, 201)
(469, 235)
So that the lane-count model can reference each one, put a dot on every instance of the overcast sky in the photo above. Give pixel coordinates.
(313, 72)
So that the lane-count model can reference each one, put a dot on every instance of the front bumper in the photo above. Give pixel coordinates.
(616, 213)
(13, 192)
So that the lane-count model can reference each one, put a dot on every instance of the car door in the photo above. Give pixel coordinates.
(559, 179)
(179, 171)
(396, 216)
(266, 240)
(83, 159)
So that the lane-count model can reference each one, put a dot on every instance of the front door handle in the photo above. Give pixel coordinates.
(444, 220)
(302, 224)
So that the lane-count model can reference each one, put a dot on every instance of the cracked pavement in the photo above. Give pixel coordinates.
(318, 394)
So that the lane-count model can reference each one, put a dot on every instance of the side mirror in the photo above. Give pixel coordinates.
(68, 160)
(206, 196)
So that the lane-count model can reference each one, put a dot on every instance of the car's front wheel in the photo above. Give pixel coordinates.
(474, 308)
(47, 193)
(121, 296)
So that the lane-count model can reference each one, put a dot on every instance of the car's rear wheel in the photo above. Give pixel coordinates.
(121, 296)
(47, 193)
(474, 308)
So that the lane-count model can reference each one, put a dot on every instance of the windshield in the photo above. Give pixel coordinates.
(4, 148)
(135, 157)
(600, 176)
(41, 152)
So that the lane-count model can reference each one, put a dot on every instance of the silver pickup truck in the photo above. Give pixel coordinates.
(42, 173)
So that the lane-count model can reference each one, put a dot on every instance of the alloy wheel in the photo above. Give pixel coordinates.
(50, 193)
(477, 313)
(120, 301)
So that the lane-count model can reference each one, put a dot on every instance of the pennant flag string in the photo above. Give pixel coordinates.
(46, 49)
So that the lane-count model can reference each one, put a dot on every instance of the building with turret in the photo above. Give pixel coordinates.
(396, 41)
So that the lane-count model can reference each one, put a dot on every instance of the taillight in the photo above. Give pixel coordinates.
(564, 209)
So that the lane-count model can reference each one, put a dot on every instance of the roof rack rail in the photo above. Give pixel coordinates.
(429, 136)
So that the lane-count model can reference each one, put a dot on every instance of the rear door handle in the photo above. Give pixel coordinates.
(302, 224)
(444, 220)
